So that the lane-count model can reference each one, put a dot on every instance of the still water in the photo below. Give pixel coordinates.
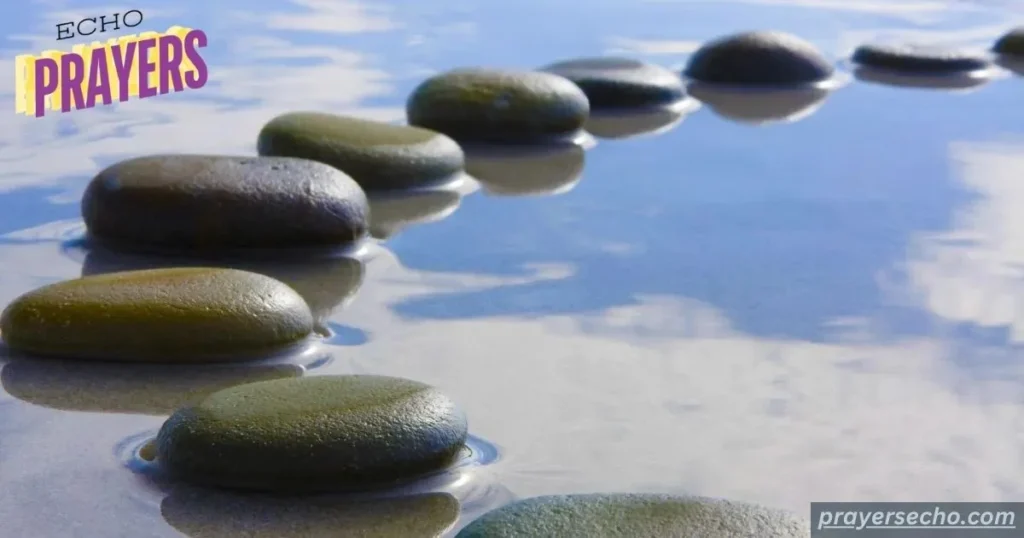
(823, 309)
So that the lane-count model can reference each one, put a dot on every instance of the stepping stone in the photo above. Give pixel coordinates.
(611, 82)
(762, 58)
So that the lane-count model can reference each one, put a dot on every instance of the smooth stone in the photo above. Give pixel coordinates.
(379, 156)
(183, 315)
(761, 58)
(527, 170)
(611, 82)
(211, 514)
(146, 389)
(909, 58)
(326, 284)
(504, 106)
(1011, 43)
(634, 516)
(760, 107)
(314, 434)
(212, 203)
(390, 214)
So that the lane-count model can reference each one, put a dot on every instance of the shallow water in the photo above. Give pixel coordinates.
(825, 308)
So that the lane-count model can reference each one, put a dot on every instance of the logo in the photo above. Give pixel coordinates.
(141, 65)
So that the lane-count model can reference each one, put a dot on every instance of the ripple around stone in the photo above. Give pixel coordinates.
(636, 122)
(326, 284)
(148, 389)
(955, 81)
(527, 170)
(760, 106)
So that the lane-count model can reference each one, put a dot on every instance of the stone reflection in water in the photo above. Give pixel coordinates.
(326, 284)
(760, 106)
(390, 213)
(526, 170)
(146, 389)
(211, 514)
(647, 121)
(1014, 65)
(957, 81)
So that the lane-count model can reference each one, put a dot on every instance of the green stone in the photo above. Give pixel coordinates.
(1011, 44)
(488, 105)
(212, 514)
(147, 389)
(634, 516)
(379, 156)
(161, 315)
(214, 203)
(391, 214)
(314, 434)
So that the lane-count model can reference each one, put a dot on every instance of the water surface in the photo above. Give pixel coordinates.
(823, 309)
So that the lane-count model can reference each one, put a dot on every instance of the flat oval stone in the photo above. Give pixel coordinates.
(379, 156)
(621, 82)
(633, 516)
(314, 434)
(918, 59)
(762, 58)
(213, 514)
(489, 105)
(209, 202)
(160, 315)
(1011, 43)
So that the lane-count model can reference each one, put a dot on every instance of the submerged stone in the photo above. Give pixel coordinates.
(1011, 43)
(314, 434)
(489, 105)
(379, 156)
(918, 59)
(211, 514)
(621, 82)
(762, 58)
(209, 202)
(173, 315)
(633, 516)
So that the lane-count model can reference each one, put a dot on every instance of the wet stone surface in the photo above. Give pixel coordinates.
(161, 315)
(314, 434)
(379, 156)
(910, 58)
(762, 58)
(611, 82)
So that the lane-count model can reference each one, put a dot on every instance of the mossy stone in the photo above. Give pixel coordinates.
(212, 203)
(611, 82)
(761, 58)
(212, 514)
(505, 106)
(1011, 43)
(910, 58)
(379, 156)
(176, 315)
(314, 434)
(634, 516)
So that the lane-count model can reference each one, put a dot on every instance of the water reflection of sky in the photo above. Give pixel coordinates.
(824, 309)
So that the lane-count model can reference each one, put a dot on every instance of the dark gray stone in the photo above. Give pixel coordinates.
(908, 58)
(212, 203)
(1011, 43)
(762, 58)
(621, 82)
